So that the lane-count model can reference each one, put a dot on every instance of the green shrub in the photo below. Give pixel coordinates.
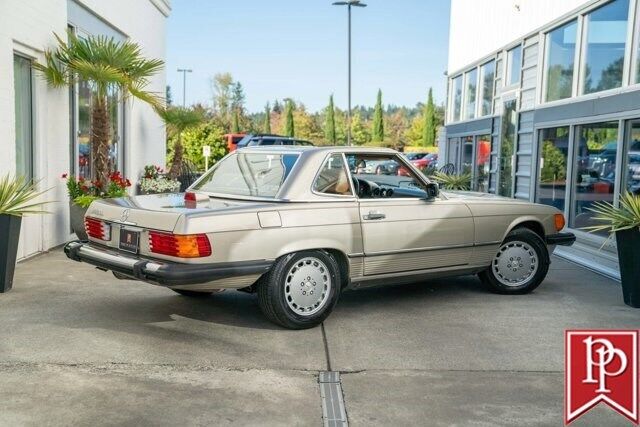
(193, 140)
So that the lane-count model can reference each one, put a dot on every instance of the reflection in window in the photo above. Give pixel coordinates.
(561, 49)
(333, 177)
(606, 40)
(595, 175)
(507, 144)
(514, 65)
(487, 77)
(483, 154)
(632, 160)
(552, 181)
(471, 82)
(456, 95)
(466, 161)
(84, 148)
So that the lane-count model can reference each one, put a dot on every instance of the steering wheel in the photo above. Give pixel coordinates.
(356, 185)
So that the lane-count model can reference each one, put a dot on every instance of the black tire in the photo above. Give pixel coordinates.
(492, 278)
(272, 296)
(192, 294)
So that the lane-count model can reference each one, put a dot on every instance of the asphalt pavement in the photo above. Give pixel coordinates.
(79, 347)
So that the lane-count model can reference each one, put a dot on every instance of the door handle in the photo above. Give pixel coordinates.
(374, 215)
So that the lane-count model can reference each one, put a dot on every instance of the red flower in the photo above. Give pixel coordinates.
(64, 175)
(128, 183)
(84, 189)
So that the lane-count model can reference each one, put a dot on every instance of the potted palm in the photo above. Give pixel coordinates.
(178, 120)
(17, 198)
(624, 222)
(108, 66)
(452, 182)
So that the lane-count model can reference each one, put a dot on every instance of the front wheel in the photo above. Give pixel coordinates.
(301, 289)
(519, 266)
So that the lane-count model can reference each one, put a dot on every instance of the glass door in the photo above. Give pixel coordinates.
(631, 159)
(482, 163)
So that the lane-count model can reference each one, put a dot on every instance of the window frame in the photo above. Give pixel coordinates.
(32, 163)
(419, 176)
(576, 59)
(452, 89)
(465, 95)
(351, 196)
(584, 30)
(480, 99)
(508, 64)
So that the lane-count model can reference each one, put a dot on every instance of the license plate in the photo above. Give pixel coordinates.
(129, 240)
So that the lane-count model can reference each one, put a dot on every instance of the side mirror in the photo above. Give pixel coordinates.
(432, 190)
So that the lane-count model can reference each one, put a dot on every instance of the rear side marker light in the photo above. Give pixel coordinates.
(559, 221)
(180, 245)
(97, 229)
(190, 200)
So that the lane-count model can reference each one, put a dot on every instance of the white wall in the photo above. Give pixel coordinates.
(479, 27)
(27, 27)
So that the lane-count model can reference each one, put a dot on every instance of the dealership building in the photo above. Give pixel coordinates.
(45, 132)
(544, 105)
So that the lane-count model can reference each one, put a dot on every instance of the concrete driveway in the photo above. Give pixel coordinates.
(79, 347)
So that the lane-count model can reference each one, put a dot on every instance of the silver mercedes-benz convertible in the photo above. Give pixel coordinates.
(298, 225)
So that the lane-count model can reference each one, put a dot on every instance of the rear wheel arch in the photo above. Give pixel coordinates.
(340, 257)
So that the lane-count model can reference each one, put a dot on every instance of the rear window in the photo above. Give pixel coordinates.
(248, 174)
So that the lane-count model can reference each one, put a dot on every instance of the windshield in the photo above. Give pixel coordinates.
(249, 174)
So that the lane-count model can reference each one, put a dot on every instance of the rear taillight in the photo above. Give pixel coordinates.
(97, 229)
(190, 200)
(179, 245)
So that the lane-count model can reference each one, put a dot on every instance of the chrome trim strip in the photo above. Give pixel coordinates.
(432, 248)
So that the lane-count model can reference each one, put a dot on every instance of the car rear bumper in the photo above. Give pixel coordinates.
(162, 273)
(562, 239)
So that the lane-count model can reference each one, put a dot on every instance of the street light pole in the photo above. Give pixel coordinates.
(349, 3)
(184, 72)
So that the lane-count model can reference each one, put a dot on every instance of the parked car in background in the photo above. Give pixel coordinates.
(269, 139)
(298, 225)
(415, 155)
(232, 140)
(422, 163)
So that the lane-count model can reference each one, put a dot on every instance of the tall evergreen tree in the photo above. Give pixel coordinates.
(235, 123)
(378, 120)
(430, 122)
(289, 127)
(330, 123)
(266, 126)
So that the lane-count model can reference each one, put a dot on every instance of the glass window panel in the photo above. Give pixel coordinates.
(483, 155)
(507, 144)
(561, 50)
(487, 77)
(333, 178)
(23, 116)
(453, 151)
(514, 64)
(552, 181)
(456, 95)
(383, 176)
(471, 82)
(595, 175)
(84, 130)
(466, 161)
(606, 40)
(632, 160)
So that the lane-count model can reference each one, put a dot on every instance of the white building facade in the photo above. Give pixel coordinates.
(544, 105)
(44, 132)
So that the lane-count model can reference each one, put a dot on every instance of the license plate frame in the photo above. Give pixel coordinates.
(129, 240)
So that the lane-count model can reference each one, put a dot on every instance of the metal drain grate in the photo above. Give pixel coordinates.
(333, 410)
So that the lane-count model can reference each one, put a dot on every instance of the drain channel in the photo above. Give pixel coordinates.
(334, 413)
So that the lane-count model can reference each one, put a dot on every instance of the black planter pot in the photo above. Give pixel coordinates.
(77, 220)
(9, 227)
(629, 257)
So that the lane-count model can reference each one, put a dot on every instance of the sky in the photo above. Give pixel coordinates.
(298, 48)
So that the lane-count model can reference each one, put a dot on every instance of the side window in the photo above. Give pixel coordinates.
(383, 176)
(333, 178)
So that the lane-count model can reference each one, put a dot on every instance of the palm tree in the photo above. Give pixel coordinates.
(108, 66)
(179, 119)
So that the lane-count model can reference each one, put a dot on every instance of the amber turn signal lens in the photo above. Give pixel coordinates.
(181, 246)
(559, 221)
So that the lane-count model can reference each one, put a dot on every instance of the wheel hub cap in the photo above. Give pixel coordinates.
(515, 263)
(307, 286)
